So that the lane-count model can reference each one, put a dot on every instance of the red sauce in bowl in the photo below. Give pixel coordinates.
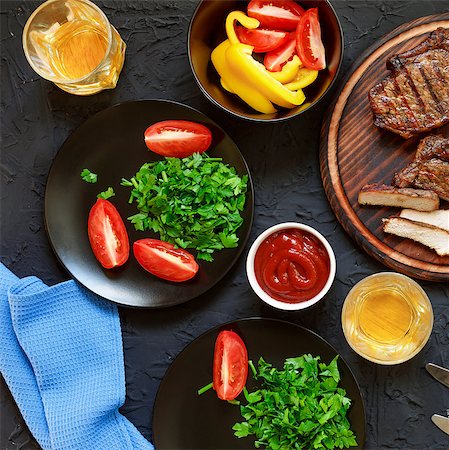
(292, 265)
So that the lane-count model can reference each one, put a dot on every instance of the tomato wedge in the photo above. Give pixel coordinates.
(164, 260)
(276, 14)
(177, 138)
(262, 40)
(309, 46)
(274, 60)
(107, 234)
(230, 368)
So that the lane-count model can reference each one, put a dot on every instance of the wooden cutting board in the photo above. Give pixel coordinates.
(354, 152)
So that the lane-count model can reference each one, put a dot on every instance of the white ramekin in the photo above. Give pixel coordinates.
(266, 297)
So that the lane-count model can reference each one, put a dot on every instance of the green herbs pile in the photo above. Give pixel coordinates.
(299, 407)
(194, 202)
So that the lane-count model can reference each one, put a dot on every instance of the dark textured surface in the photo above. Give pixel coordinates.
(37, 117)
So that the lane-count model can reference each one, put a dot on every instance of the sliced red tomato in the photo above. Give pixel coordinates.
(107, 234)
(309, 46)
(230, 368)
(262, 40)
(275, 59)
(164, 260)
(177, 138)
(276, 14)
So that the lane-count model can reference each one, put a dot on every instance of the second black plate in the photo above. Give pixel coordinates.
(182, 420)
(111, 144)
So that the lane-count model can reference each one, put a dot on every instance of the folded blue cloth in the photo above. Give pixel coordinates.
(61, 355)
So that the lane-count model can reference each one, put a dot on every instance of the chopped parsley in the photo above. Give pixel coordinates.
(108, 193)
(194, 202)
(88, 176)
(299, 407)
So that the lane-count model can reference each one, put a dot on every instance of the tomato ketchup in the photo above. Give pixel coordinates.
(292, 265)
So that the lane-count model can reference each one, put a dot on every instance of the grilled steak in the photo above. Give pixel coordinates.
(430, 168)
(415, 97)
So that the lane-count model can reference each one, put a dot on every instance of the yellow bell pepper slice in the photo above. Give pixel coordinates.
(225, 86)
(247, 91)
(239, 16)
(301, 96)
(288, 72)
(246, 67)
(304, 78)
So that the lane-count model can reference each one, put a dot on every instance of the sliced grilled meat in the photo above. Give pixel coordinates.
(430, 168)
(383, 195)
(414, 98)
(433, 237)
(438, 218)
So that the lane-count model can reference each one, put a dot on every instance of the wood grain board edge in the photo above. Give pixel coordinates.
(329, 157)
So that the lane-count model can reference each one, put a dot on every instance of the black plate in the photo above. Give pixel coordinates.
(111, 144)
(184, 420)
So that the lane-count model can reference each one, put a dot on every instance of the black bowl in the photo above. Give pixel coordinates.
(207, 30)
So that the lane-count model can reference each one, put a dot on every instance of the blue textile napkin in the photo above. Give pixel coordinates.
(61, 355)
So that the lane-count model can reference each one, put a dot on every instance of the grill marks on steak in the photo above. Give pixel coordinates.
(415, 97)
(430, 168)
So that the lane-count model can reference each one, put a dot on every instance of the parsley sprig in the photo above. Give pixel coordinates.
(194, 202)
(299, 407)
(88, 176)
(108, 193)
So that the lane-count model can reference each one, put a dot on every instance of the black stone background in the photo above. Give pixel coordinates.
(283, 158)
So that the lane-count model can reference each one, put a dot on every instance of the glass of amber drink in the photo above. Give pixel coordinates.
(72, 44)
(387, 318)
